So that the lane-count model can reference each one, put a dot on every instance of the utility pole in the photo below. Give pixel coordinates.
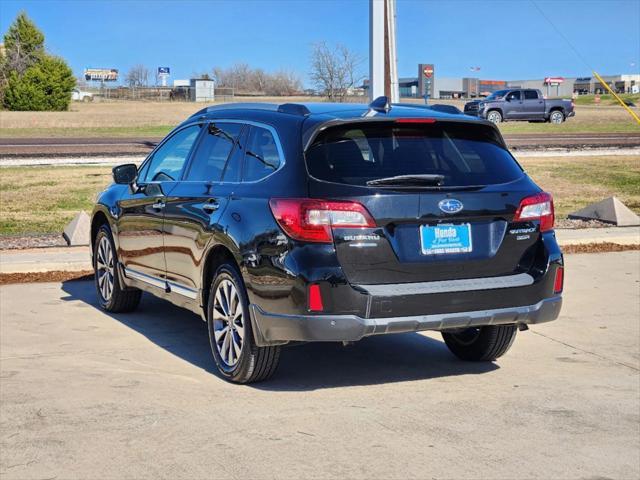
(383, 70)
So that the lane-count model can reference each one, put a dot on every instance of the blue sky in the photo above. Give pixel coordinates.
(507, 39)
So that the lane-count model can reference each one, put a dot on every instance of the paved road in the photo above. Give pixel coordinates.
(87, 147)
(89, 395)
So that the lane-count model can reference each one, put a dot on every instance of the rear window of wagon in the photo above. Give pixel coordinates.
(464, 154)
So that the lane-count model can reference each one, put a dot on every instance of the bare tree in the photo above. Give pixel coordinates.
(244, 79)
(137, 76)
(335, 71)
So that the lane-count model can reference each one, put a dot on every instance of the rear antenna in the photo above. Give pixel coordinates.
(380, 104)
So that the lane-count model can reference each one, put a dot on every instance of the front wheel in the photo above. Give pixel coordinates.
(556, 117)
(237, 356)
(481, 343)
(494, 116)
(112, 296)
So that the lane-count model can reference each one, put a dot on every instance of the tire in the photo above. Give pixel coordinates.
(494, 116)
(481, 344)
(235, 353)
(112, 296)
(556, 117)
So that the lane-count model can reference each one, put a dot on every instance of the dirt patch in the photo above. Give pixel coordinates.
(54, 276)
(599, 248)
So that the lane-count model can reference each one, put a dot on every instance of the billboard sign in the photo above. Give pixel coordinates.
(428, 71)
(101, 74)
(164, 71)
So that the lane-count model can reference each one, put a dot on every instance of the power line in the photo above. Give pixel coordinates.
(559, 32)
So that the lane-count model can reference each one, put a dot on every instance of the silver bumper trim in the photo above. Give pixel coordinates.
(447, 286)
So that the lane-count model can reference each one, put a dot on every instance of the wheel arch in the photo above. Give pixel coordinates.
(216, 255)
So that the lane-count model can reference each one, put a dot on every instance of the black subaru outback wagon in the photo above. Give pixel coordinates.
(291, 223)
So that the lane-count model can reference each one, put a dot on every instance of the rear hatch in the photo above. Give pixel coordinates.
(442, 194)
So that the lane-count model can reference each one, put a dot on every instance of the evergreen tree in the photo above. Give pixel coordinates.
(30, 79)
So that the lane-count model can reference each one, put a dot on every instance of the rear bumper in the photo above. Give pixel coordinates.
(274, 329)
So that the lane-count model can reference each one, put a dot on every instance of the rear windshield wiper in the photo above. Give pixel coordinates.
(409, 180)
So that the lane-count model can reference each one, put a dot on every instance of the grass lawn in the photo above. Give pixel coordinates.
(44, 199)
(155, 119)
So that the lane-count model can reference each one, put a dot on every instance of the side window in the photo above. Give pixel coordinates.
(213, 151)
(261, 157)
(168, 160)
(530, 95)
(513, 96)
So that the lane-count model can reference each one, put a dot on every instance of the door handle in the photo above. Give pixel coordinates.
(159, 205)
(211, 206)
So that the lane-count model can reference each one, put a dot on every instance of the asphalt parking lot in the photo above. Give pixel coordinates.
(89, 395)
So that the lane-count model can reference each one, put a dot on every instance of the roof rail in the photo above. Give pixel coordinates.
(294, 109)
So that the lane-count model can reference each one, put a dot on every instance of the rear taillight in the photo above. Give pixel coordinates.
(537, 207)
(312, 220)
(558, 283)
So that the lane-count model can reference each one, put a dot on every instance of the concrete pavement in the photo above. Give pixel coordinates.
(89, 395)
(73, 259)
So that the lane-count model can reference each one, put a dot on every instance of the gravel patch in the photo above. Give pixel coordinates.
(53, 276)
(572, 224)
(23, 242)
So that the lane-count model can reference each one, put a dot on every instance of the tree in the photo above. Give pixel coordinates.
(137, 76)
(244, 79)
(334, 71)
(31, 79)
(43, 86)
(23, 43)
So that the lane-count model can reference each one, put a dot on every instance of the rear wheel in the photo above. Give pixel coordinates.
(112, 296)
(556, 117)
(494, 116)
(237, 356)
(481, 343)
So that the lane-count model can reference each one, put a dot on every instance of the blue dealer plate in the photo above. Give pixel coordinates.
(442, 239)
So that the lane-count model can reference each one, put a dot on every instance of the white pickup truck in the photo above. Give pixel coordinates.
(80, 96)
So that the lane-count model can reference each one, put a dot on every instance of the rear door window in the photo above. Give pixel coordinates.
(262, 156)
(464, 154)
(530, 95)
(211, 156)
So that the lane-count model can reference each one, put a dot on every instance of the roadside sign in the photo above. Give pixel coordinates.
(101, 74)
(428, 71)
(553, 80)
(164, 71)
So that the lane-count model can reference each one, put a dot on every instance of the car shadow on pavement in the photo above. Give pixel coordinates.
(312, 366)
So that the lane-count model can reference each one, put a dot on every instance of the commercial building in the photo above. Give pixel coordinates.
(429, 83)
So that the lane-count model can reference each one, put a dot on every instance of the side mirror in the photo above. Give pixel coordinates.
(125, 174)
(508, 99)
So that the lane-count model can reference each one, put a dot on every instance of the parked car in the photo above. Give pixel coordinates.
(81, 96)
(281, 224)
(520, 104)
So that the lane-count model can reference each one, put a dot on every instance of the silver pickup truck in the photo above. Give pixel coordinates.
(520, 104)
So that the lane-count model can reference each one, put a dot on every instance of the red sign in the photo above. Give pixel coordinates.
(553, 80)
(428, 71)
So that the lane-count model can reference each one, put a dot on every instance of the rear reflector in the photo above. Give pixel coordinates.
(537, 207)
(315, 298)
(312, 220)
(558, 283)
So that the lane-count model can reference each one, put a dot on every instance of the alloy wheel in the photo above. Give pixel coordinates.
(494, 117)
(228, 322)
(105, 269)
(556, 117)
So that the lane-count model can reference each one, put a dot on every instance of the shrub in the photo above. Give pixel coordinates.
(46, 85)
